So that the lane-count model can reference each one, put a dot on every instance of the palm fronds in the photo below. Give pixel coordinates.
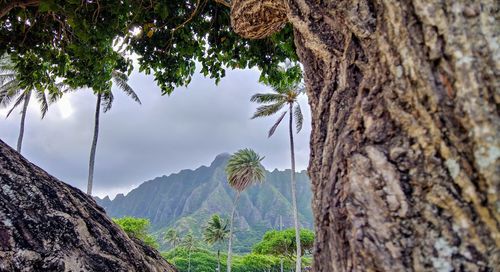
(172, 237)
(267, 98)
(17, 103)
(121, 80)
(299, 118)
(244, 168)
(107, 100)
(8, 91)
(216, 230)
(44, 104)
(267, 110)
(276, 124)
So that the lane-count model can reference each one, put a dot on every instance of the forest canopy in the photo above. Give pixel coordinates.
(82, 42)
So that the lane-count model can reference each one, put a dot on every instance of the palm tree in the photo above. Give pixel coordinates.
(216, 232)
(10, 90)
(172, 237)
(285, 94)
(243, 169)
(190, 243)
(106, 99)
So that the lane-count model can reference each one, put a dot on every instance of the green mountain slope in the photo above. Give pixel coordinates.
(187, 199)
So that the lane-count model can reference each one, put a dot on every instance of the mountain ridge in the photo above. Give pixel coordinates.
(185, 200)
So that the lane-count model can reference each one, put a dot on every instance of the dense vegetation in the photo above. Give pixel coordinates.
(84, 42)
(137, 228)
(196, 254)
(203, 260)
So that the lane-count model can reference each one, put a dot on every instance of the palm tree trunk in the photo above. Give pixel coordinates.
(94, 146)
(23, 117)
(230, 243)
(298, 262)
(218, 260)
(281, 257)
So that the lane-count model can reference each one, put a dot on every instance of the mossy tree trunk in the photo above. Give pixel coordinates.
(405, 102)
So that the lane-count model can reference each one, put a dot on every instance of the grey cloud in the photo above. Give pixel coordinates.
(163, 135)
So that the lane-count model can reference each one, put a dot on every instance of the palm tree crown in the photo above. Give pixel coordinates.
(10, 89)
(172, 237)
(216, 231)
(189, 241)
(244, 168)
(283, 94)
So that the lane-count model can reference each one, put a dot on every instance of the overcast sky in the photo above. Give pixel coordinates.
(162, 136)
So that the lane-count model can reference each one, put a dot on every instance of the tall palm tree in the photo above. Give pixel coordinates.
(190, 243)
(284, 95)
(10, 90)
(216, 232)
(172, 237)
(105, 98)
(243, 169)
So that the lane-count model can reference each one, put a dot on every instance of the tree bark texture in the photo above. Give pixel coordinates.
(93, 148)
(27, 97)
(405, 102)
(46, 225)
(298, 260)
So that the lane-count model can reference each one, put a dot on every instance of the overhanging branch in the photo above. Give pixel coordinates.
(4, 10)
(224, 2)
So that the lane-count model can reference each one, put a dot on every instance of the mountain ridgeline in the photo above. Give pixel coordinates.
(187, 199)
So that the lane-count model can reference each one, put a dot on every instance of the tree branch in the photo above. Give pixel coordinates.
(224, 2)
(4, 10)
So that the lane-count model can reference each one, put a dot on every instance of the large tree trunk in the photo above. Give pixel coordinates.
(93, 148)
(298, 260)
(27, 97)
(405, 102)
(46, 225)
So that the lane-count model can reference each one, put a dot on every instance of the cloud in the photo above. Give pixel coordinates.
(163, 135)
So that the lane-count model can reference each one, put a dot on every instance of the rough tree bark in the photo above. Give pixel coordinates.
(405, 102)
(46, 225)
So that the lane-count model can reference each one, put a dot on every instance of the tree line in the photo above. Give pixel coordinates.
(275, 252)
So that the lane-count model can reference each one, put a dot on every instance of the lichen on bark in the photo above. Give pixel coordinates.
(405, 105)
(46, 225)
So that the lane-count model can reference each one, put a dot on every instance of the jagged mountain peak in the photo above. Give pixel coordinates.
(220, 159)
(186, 200)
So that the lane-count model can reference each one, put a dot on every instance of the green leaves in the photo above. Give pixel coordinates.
(216, 231)
(172, 237)
(73, 40)
(282, 243)
(137, 228)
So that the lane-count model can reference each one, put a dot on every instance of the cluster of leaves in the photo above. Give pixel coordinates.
(282, 243)
(206, 261)
(137, 228)
(83, 42)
